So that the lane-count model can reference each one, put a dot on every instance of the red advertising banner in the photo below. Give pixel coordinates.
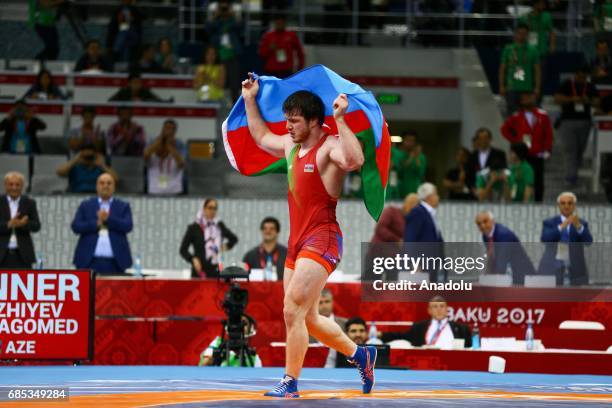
(46, 314)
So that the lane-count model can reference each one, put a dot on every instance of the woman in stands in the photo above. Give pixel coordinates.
(209, 78)
(209, 238)
(164, 57)
(44, 88)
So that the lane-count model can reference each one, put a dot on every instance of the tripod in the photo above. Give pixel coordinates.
(235, 341)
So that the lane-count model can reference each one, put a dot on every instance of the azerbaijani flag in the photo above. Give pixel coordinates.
(363, 117)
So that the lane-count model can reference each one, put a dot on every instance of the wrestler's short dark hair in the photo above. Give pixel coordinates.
(306, 104)
(354, 320)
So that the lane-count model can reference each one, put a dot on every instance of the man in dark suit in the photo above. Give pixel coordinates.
(18, 218)
(326, 308)
(503, 249)
(438, 331)
(422, 234)
(564, 236)
(482, 157)
(102, 224)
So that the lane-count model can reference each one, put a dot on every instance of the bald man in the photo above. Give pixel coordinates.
(565, 236)
(504, 249)
(18, 219)
(102, 224)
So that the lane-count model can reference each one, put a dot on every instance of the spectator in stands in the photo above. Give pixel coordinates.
(541, 31)
(165, 57)
(165, 159)
(521, 179)
(356, 330)
(437, 331)
(269, 254)
(93, 60)
(42, 16)
(88, 133)
(503, 248)
(410, 163)
(225, 35)
(279, 49)
(18, 219)
(147, 62)
(393, 187)
(390, 225)
(519, 70)
(421, 232)
(102, 224)
(531, 125)
(493, 183)
(390, 229)
(212, 11)
(602, 19)
(565, 236)
(209, 238)
(44, 88)
(576, 97)
(326, 307)
(482, 157)
(209, 78)
(135, 91)
(456, 181)
(126, 137)
(124, 32)
(20, 128)
(84, 169)
(602, 62)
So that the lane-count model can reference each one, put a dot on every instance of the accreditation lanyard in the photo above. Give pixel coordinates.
(263, 257)
(523, 52)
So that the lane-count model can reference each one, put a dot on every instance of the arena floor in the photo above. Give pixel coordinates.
(180, 386)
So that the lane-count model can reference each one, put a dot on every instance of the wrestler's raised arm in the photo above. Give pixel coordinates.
(347, 153)
(264, 138)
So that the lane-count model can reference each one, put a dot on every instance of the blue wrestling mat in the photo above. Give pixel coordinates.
(180, 386)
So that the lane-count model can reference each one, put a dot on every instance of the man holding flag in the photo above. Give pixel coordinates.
(317, 163)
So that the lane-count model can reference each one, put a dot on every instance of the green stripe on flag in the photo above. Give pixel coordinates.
(373, 190)
(279, 166)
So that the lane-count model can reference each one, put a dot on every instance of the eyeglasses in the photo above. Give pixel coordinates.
(212, 208)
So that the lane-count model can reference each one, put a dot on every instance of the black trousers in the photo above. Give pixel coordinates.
(49, 36)
(538, 173)
(12, 260)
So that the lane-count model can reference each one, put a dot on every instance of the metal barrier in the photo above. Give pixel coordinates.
(410, 20)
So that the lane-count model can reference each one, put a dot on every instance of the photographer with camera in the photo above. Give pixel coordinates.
(84, 169)
(20, 128)
(165, 159)
(215, 353)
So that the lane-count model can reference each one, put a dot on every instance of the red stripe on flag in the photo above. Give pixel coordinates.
(250, 159)
(383, 156)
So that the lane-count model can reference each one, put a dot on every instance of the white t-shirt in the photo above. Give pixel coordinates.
(164, 175)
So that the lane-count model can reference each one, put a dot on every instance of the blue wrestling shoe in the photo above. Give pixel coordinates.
(286, 388)
(365, 360)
